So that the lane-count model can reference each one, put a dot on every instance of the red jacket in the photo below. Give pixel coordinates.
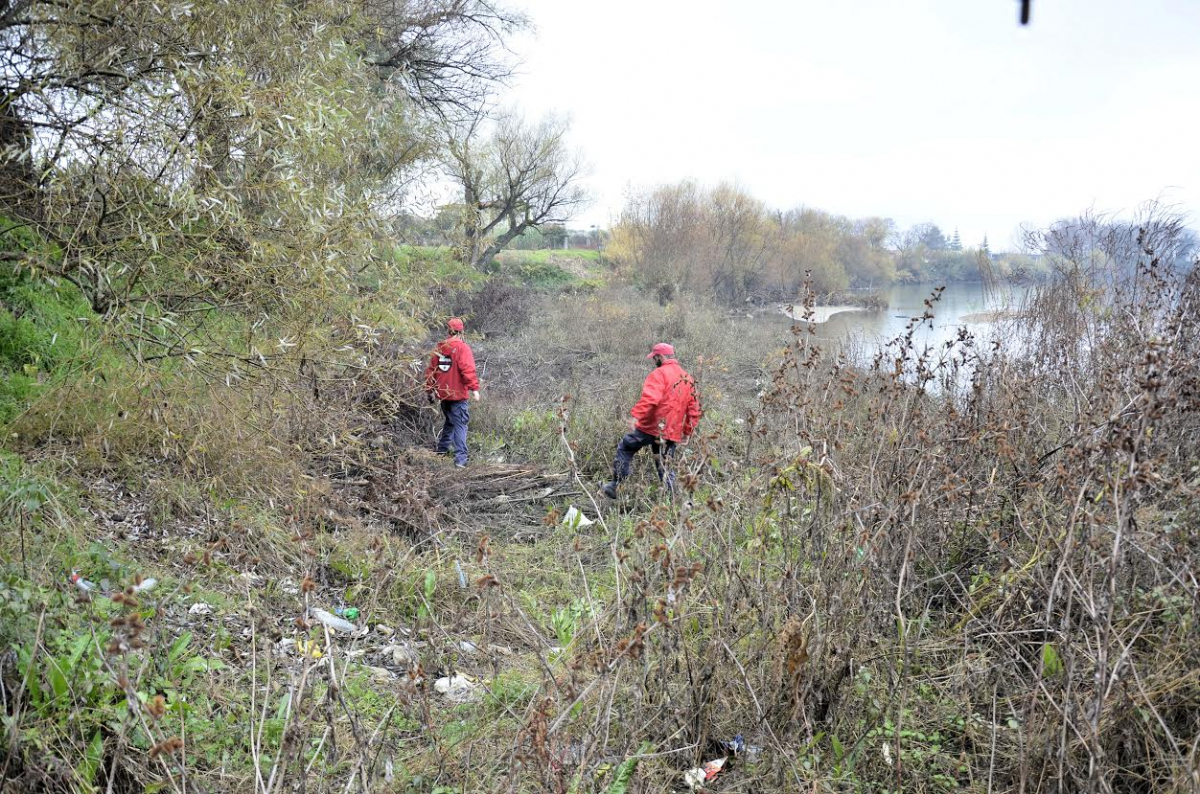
(668, 407)
(451, 371)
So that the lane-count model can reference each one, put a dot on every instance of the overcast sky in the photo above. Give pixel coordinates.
(941, 110)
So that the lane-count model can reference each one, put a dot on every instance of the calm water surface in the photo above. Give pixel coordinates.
(960, 305)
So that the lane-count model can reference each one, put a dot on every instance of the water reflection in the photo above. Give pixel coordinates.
(960, 305)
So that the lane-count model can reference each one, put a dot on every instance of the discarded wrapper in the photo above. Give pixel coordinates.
(333, 621)
(310, 648)
(696, 776)
(576, 518)
(200, 608)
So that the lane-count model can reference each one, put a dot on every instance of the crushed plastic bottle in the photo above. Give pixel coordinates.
(333, 621)
(83, 584)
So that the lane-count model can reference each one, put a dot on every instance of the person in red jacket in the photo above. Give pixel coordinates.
(666, 415)
(450, 377)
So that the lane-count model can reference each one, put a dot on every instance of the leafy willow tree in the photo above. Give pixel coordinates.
(522, 176)
(192, 163)
(445, 54)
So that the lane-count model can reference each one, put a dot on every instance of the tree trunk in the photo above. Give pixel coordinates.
(488, 254)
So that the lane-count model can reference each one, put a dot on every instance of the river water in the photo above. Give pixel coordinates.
(961, 304)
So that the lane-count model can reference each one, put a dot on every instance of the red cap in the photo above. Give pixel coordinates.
(661, 349)
(455, 324)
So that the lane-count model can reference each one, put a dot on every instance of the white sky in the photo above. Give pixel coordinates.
(941, 110)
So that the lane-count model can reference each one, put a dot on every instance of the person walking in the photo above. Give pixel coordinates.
(666, 415)
(450, 378)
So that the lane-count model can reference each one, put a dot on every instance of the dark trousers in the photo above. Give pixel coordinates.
(631, 443)
(454, 431)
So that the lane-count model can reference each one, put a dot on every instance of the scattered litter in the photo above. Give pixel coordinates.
(386, 631)
(378, 673)
(349, 613)
(468, 647)
(886, 750)
(83, 584)
(462, 575)
(146, 585)
(200, 608)
(696, 776)
(575, 518)
(713, 768)
(310, 648)
(403, 655)
(458, 688)
(737, 745)
(333, 621)
(555, 650)
(502, 650)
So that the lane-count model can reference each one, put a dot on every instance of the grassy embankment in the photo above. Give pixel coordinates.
(882, 590)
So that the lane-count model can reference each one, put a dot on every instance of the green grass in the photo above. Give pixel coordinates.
(42, 324)
(552, 269)
(543, 255)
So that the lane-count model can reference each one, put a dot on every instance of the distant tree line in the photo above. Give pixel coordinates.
(721, 240)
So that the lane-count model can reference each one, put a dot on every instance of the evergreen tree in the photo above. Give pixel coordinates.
(956, 242)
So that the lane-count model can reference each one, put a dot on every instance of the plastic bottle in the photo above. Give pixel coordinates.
(349, 613)
(333, 621)
(83, 584)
